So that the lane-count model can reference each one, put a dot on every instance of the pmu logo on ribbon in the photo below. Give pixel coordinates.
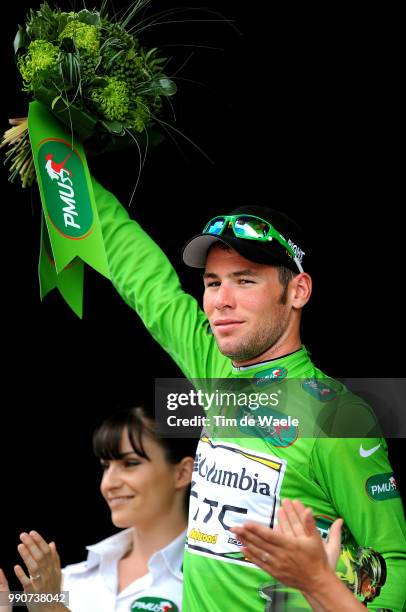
(70, 213)
(154, 604)
(65, 189)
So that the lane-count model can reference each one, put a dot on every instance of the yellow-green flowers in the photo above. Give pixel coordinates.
(86, 37)
(40, 61)
(112, 100)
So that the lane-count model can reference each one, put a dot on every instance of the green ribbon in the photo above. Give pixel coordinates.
(71, 233)
(69, 282)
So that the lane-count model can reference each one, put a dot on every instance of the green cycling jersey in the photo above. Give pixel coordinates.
(240, 476)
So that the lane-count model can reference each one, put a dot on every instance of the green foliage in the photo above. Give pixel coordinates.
(44, 23)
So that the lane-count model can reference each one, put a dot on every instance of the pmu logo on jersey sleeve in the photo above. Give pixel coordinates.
(382, 486)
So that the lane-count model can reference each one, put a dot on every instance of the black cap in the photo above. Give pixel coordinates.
(269, 252)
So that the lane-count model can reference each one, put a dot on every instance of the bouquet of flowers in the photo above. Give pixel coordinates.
(91, 72)
(93, 88)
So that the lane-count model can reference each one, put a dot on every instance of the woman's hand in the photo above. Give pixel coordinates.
(43, 569)
(4, 591)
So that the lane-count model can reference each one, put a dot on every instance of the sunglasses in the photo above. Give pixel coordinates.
(249, 227)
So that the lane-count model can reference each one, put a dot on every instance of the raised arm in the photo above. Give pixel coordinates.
(148, 283)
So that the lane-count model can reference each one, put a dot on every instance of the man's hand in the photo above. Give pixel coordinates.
(293, 552)
(304, 515)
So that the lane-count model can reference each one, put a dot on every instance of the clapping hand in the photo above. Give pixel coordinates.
(43, 569)
(4, 591)
(293, 552)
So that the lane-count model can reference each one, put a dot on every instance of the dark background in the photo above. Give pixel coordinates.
(296, 109)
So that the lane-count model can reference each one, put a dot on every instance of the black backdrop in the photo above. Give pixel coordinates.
(296, 109)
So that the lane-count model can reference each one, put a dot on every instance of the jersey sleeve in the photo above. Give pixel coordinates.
(357, 477)
(148, 283)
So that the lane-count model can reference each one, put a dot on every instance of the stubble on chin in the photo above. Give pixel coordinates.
(254, 344)
(247, 348)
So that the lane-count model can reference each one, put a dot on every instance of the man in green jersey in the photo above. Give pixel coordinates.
(255, 288)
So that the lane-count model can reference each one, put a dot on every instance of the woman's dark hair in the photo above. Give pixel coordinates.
(137, 422)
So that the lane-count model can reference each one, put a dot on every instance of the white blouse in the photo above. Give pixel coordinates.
(92, 585)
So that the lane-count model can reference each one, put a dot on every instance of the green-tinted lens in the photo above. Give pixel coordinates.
(250, 227)
(214, 226)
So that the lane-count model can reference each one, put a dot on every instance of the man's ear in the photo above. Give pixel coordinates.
(301, 288)
(184, 471)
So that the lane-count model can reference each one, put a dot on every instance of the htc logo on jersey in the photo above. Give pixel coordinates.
(242, 479)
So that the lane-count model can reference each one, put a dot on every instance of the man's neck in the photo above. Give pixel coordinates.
(277, 350)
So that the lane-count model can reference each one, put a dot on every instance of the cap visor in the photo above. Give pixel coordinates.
(195, 251)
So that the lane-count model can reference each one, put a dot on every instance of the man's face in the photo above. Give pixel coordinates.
(242, 301)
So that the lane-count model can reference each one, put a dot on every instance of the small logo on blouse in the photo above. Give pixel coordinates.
(154, 604)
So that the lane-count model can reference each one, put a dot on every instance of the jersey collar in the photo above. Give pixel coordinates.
(296, 362)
